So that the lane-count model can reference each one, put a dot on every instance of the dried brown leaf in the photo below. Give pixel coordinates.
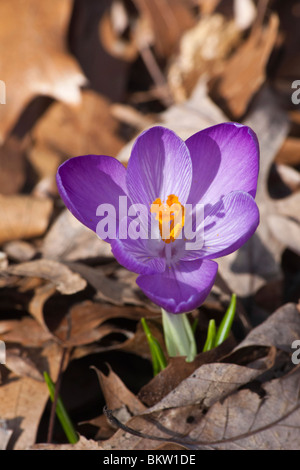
(22, 366)
(66, 281)
(289, 153)
(23, 217)
(22, 402)
(244, 72)
(177, 371)
(116, 393)
(27, 332)
(12, 168)
(208, 384)
(69, 240)
(202, 49)
(166, 33)
(64, 132)
(44, 65)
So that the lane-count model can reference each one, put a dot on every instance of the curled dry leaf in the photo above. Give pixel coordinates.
(85, 323)
(289, 176)
(287, 231)
(289, 152)
(116, 393)
(177, 371)
(266, 418)
(208, 384)
(244, 73)
(19, 250)
(64, 132)
(111, 36)
(165, 33)
(44, 65)
(23, 400)
(22, 366)
(69, 240)
(27, 332)
(66, 281)
(12, 168)
(118, 290)
(23, 217)
(202, 50)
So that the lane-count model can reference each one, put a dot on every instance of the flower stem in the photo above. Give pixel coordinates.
(179, 336)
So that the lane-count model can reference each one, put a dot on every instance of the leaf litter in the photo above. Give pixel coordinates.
(63, 295)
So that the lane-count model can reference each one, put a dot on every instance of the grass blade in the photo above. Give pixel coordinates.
(226, 323)
(159, 361)
(211, 335)
(61, 412)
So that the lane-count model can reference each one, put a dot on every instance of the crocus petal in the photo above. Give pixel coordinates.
(86, 182)
(159, 165)
(182, 287)
(140, 256)
(228, 224)
(225, 158)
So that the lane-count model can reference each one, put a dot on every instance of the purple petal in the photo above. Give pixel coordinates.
(88, 181)
(159, 165)
(228, 224)
(225, 158)
(136, 256)
(182, 287)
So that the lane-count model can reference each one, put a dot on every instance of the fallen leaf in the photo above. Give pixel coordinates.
(22, 402)
(116, 394)
(44, 65)
(209, 383)
(278, 331)
(249, 420)
(289, 153)
(61, 276)
(22, 366)
(166, 33)
(202, 49)
(286, 231)
(69, 240)
(19, 250)
(244, 73)
(64, 132)
(23, 217)
(12, 167)
(177, 371)
(27, 332)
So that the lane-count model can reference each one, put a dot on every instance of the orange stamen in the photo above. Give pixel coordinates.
(170, 216)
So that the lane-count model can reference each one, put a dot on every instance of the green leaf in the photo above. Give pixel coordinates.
(226, 323)
(61, 412)
(159, 361)
(211, 335)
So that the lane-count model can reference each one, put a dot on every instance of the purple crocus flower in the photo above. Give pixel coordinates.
(216, 167)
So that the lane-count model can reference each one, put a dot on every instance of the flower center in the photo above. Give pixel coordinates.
(170, 216)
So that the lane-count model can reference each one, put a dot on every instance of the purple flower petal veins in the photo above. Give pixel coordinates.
(216, 167)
